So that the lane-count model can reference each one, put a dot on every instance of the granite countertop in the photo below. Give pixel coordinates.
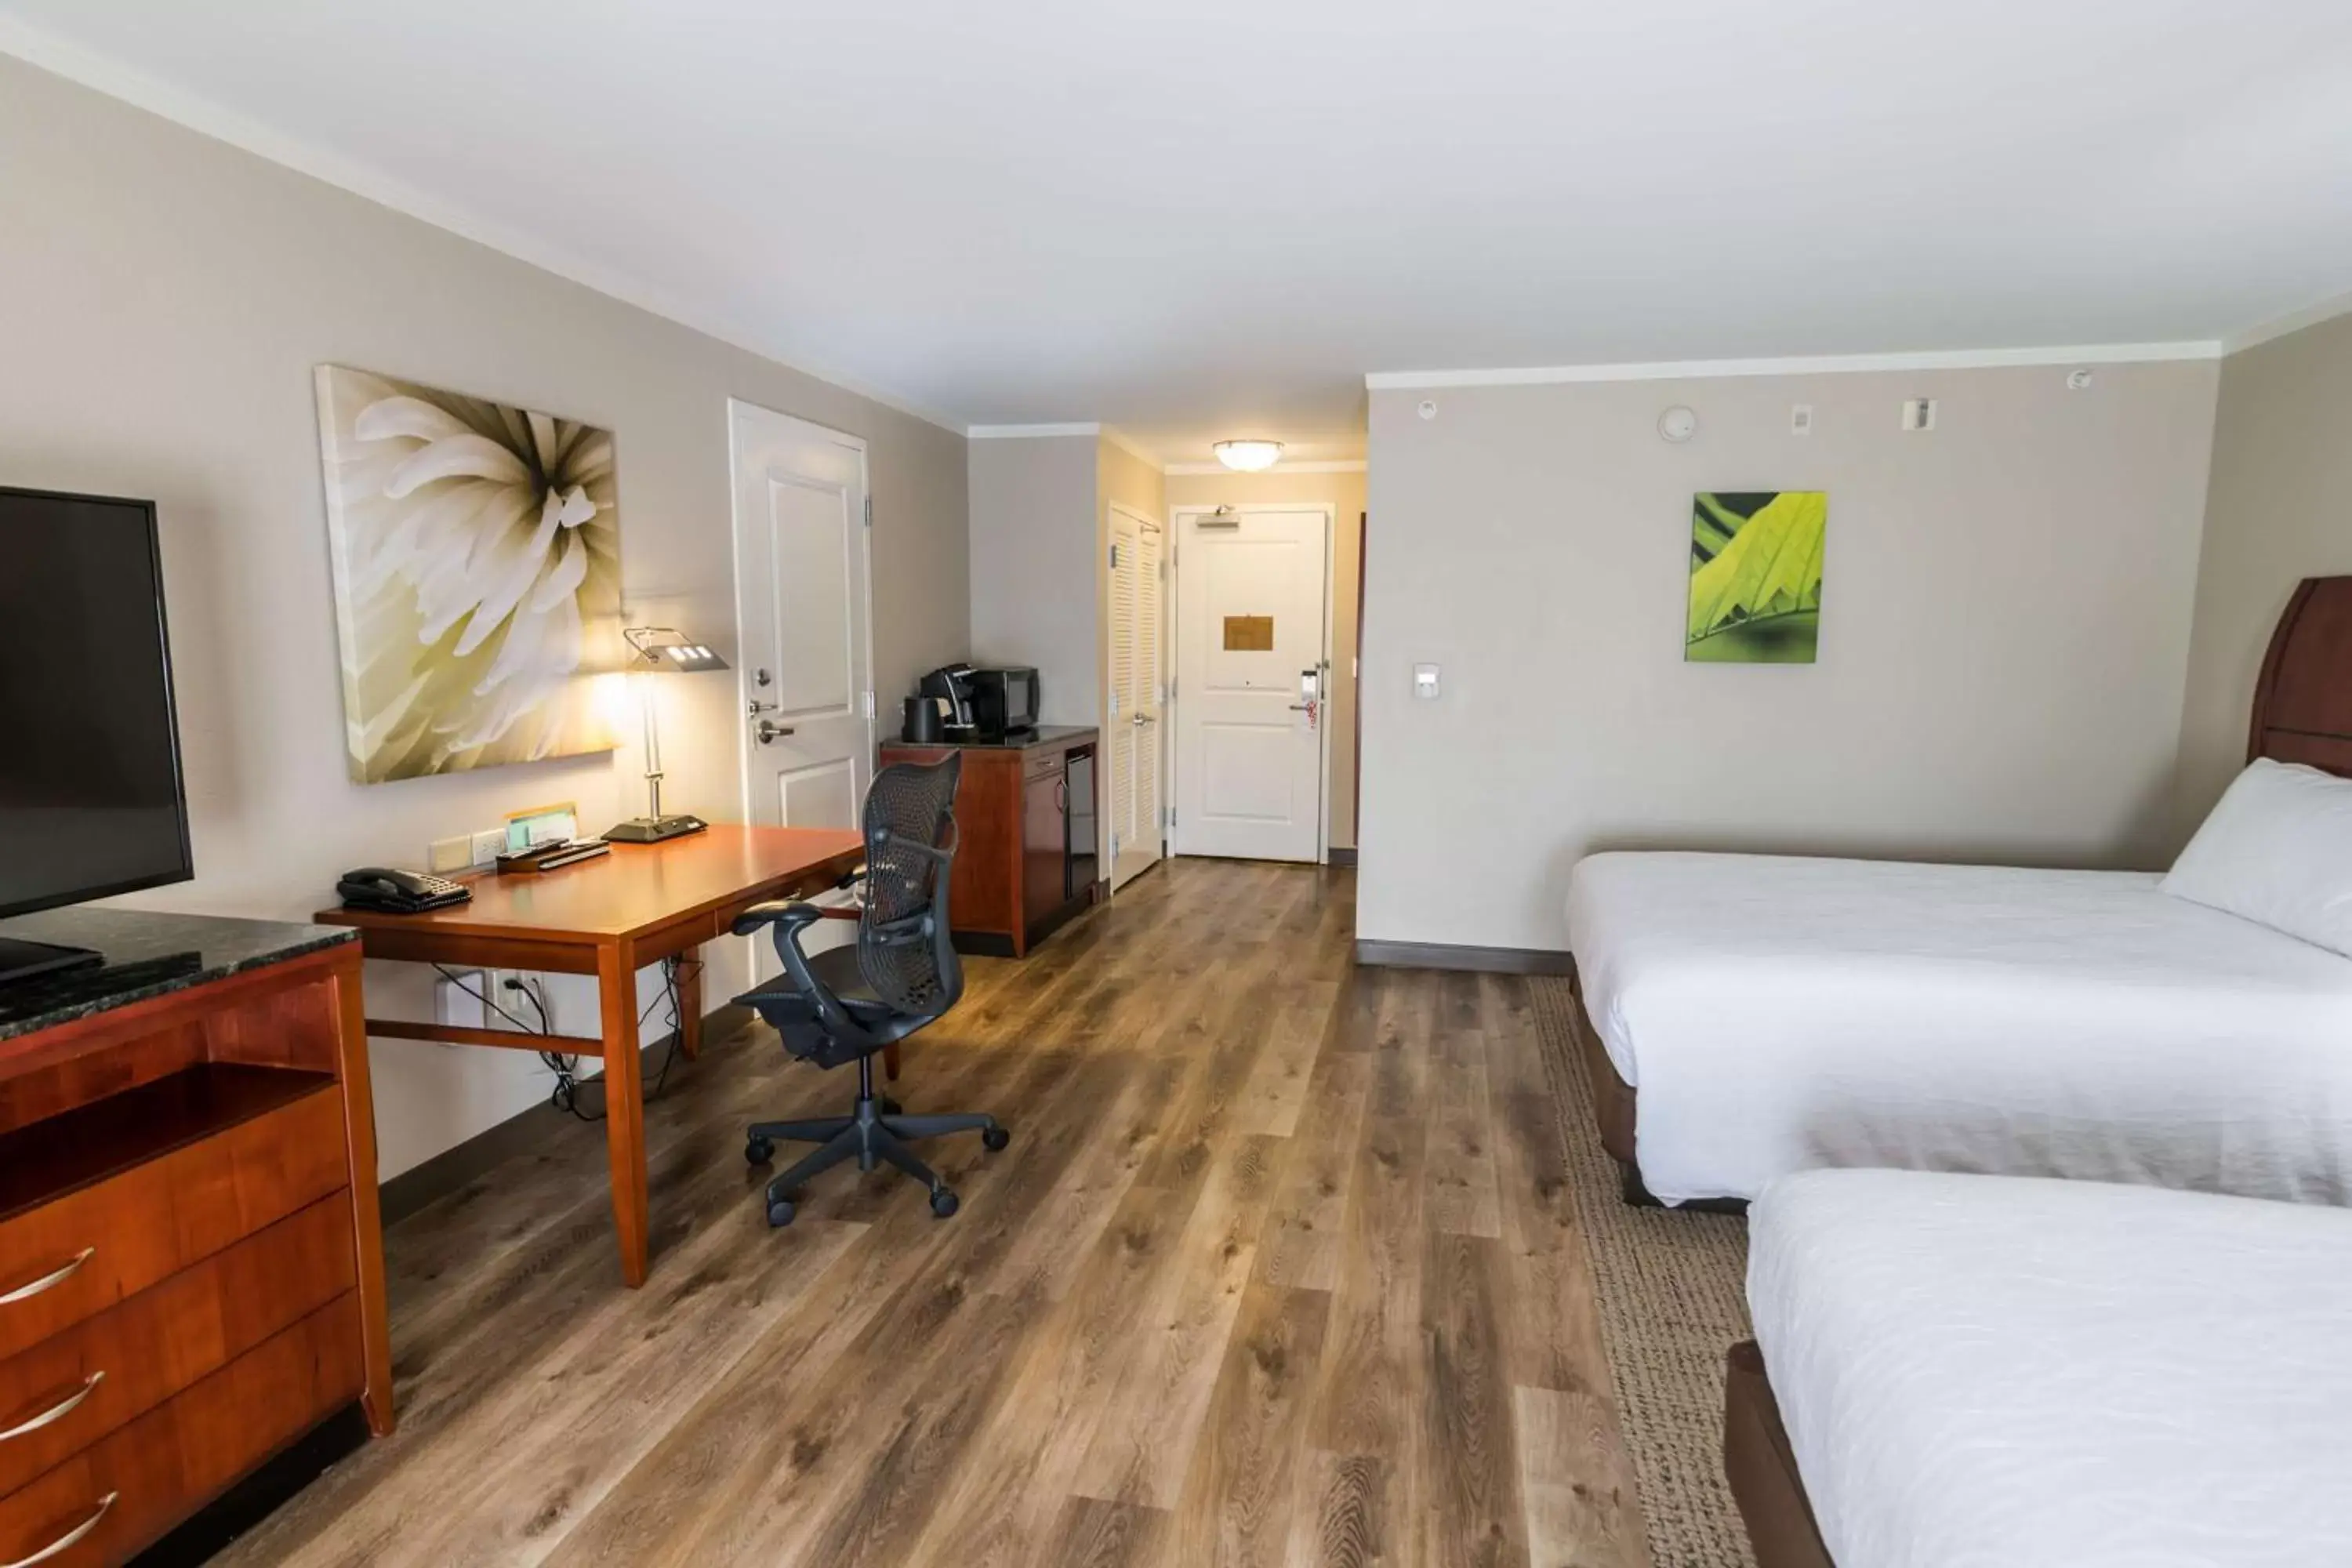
(149, 952)
(1042, 735)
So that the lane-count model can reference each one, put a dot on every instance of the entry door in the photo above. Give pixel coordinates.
(805, 615)
(1137, 814)
(1251, 590)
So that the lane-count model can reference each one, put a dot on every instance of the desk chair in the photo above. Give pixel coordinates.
(848, 1002)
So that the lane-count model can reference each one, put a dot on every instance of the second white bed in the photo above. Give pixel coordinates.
(1980, 1372)
(1778, 1013)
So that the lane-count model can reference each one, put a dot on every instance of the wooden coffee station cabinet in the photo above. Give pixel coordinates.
(1026, 817)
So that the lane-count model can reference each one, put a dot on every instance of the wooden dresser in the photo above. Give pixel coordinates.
(191, 1264)
(1026, 817)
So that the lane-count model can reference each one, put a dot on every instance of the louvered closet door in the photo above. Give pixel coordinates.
(1134, 738)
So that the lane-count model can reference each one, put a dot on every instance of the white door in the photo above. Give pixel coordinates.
(804, 618)
(1252, 606)
(1137, 818)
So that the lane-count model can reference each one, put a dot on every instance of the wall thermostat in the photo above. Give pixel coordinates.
(1428, 409)
(1677, 423)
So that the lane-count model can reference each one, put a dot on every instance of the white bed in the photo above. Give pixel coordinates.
(1776, 1013)
(2003, 1372)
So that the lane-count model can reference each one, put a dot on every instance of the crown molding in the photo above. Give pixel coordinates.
(1305, 466)
(1817, 364)
(101, 74)
(1127, 444)
(2283, 326)
(1026, 432)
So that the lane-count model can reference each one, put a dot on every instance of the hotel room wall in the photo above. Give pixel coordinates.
(2003, 648)
(1032, 571)
(162, 299)
(1345, 495)
(2278, 510)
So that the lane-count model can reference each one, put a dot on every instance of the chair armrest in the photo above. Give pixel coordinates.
(786, 920)
(790, 914)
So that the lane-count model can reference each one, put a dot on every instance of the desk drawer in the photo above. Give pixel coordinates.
(77, 1254)
(75, 1387)
(168, 1463)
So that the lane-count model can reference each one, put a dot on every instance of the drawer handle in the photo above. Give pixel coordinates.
(49, 1281)
(70, 1539)
(60, 1410)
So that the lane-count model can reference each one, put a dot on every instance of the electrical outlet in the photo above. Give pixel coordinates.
(489, 846)
(1800, 419)
(458, 1001)
(450, 853)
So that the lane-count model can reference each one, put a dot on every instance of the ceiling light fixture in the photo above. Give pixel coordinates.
(1249, 457)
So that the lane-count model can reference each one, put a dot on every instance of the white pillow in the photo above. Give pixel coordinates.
(2277, 850)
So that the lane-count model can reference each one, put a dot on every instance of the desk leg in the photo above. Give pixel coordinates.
(367, 1226)
(689, 1005)
(624, 1102)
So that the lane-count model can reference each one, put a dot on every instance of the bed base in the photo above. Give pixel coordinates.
(1614, 1102)
(1762, 1468)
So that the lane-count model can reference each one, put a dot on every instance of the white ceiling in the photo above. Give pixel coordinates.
(1212, 218)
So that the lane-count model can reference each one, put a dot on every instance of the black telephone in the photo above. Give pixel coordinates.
(399, 892)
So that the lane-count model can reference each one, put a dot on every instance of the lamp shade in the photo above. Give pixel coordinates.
(664, 650)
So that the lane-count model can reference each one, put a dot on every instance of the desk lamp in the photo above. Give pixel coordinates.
(659, 650)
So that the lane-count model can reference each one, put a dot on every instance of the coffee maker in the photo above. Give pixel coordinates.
(949, 688)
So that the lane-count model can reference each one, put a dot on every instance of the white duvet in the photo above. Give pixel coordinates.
(1779, 1014)
(2002, 1372)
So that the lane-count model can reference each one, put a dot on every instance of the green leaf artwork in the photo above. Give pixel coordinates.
(1756, 576)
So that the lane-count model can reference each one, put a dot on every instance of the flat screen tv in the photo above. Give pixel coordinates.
(90, 795)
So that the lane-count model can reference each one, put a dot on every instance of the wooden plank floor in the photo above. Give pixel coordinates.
(1279, 1269)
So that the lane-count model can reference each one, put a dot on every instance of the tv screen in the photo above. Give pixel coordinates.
(90, 798)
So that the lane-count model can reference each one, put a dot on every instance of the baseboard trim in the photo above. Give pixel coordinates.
(1342, 855)
(455, 1166)
(1446, 955)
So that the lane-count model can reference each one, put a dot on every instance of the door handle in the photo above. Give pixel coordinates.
(1302, 707)
(766, 731)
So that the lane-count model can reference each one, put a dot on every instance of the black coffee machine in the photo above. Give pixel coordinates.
(942, 703)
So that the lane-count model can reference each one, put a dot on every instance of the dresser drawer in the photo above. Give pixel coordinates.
(76, 1386)
(82, 1252)
(135, 1484)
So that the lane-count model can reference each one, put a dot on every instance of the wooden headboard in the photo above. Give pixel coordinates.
(2302, 705)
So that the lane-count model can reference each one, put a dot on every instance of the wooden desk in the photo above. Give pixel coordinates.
(609, 918)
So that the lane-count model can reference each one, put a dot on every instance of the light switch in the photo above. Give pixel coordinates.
(1425, 682)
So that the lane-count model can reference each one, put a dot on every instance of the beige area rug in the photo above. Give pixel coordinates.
(1672, 1287)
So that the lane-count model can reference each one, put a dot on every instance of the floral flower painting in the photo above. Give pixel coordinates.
(477, 579)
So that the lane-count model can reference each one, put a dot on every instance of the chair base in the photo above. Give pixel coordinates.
(874, 1133)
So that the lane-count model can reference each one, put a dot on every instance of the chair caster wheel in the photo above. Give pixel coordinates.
(780, 1213)
(759, 1151)
(892, 1108)
(995, 1138)
(943, 1201)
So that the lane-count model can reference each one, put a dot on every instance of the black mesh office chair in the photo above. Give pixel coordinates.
(848, 1002)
